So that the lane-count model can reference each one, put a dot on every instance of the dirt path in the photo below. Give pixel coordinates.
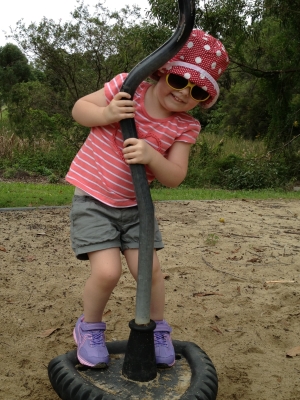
(221, 259)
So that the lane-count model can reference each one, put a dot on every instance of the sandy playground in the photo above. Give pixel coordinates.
(232, 274)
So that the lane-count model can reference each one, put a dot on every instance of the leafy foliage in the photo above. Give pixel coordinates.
(75, 58)
(33, 111)
(14, 68)
(211, 166)
(260, 92)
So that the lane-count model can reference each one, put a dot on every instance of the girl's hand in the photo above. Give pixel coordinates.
(137, 151)
(93, 110)
(120, 108)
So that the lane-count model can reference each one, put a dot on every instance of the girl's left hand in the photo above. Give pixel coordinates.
(137, 151)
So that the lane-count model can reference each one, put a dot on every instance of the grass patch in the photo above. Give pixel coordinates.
(232, 145)
(219, 194)
(38, 195)
(34, 194)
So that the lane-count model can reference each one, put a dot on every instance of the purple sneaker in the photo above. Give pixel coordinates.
(164, 350)
(90, 339)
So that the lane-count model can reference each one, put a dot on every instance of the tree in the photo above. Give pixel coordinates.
(77, 57)
(263, 41)
(33, 111)
(14, 68)
(268, 63)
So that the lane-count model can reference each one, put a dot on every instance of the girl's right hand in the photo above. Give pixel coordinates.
(121, 107)
(93, 110)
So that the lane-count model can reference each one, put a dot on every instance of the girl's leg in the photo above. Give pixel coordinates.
(89, 329)
(158, 284)
(164, 349)
(106, 270)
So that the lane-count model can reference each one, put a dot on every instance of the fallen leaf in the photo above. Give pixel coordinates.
(47, 332)
(233, 330)
(254, 260)
(222, 220)
(279, 282)
(295, 351)
(2, 248)
(216, 329)
(258, 250)
(206, 294)
(107, 313)
(10, 301)
(234, 258)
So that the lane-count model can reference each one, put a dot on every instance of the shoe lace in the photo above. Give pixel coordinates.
(161, 339)
(96, 338)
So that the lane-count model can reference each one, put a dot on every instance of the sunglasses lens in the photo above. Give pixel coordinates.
(199, 94)
(176, 81)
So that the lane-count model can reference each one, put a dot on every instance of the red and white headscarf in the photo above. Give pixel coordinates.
(201, 60)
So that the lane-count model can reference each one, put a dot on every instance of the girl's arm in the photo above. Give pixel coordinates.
(93, 110)
(169, 171)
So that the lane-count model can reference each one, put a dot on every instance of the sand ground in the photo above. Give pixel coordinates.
(232, 274)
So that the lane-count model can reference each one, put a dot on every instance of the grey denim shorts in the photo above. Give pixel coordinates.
(97, 226)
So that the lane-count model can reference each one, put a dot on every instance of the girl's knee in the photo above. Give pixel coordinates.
(106, 266)
(108, 276)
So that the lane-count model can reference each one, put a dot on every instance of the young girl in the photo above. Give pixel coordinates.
(104, 215)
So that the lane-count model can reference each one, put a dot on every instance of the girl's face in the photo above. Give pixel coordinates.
(173, 100)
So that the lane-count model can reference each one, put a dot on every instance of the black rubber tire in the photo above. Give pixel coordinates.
(204, 382)
(70, 385)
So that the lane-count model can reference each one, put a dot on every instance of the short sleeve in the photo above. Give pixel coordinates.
(114, 86)
(190, 129)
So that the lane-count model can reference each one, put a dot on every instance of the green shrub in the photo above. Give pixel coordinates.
(53, 178)
(233, 163)
(10, 173)
(215, 161)
(252, 175)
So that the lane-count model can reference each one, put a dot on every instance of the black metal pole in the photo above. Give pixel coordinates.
(139, 363)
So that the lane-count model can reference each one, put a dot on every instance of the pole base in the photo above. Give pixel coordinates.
(139, 362)
(192, 377)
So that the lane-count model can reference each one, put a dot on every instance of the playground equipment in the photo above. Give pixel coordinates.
(133, 373)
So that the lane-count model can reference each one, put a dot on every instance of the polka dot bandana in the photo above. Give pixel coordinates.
(202, 60)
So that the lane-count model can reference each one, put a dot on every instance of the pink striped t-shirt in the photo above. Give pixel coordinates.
(99, 167)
